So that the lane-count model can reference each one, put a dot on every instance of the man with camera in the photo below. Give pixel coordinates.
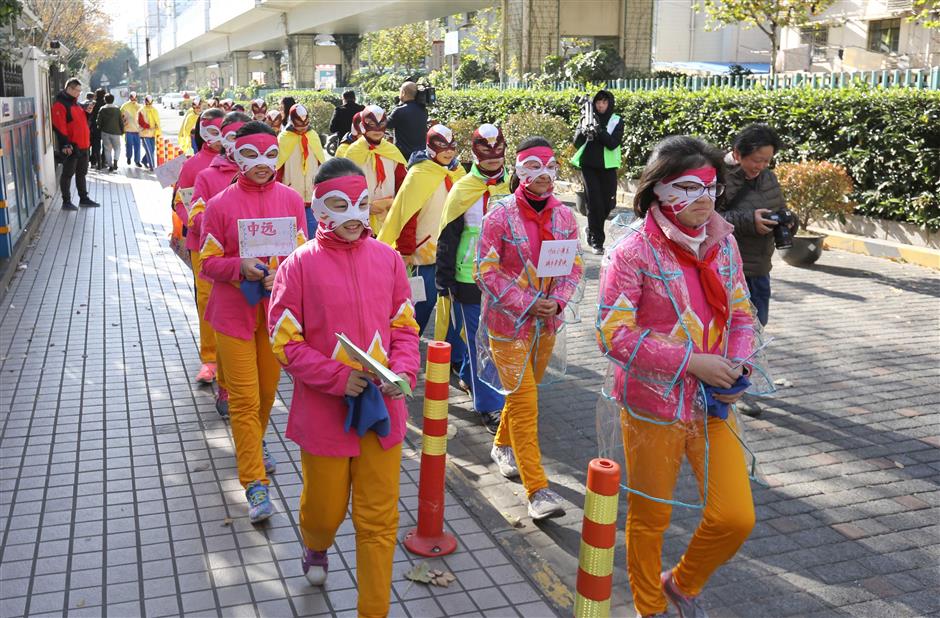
(73, 139)
(409, 119)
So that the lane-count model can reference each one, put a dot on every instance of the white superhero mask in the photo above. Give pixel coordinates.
(344, 188)
(248, 156)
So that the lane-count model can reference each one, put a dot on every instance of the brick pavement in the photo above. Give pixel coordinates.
(118, 487)
(849, 524)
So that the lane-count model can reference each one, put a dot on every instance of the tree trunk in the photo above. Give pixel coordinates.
(773, 51)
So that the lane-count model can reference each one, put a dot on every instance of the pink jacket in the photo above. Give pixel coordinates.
(648, 340)
(209, 182)
(359, 289)
(507, 256)
(187, 179)
(227, 310)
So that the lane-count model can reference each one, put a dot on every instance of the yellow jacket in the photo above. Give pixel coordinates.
(189, 123)
(129, 112)
(152, 116)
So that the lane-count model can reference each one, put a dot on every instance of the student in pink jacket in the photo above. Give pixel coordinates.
(674, 318)
(523, 315)
(344, 281)
(219, 174)
(210, 138)
(251, 371)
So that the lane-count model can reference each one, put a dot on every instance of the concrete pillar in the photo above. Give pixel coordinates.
(636, 39)
(226, 71)
(301, 49)
(349, 48)
(272, 69)
(241, 71)
(181, 74)
(197, 75)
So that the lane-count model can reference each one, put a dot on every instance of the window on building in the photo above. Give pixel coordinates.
(884, 35)
(817, 38)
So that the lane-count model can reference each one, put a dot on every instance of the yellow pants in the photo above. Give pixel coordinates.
(251, 375)
(654, 454)
(207, 342)
(373, 477)
(519, 422)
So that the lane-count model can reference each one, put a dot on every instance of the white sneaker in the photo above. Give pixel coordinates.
(505, 459)
(545, 503)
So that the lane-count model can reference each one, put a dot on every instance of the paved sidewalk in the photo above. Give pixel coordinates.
(118, 487)
(849, 524)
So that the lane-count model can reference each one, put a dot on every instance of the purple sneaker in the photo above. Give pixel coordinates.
(315, 565)
(688, 607)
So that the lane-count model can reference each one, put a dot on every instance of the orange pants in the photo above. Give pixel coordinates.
(373, 477)
(207, 342)
(519, 423)
(251, 376)
(654, 454)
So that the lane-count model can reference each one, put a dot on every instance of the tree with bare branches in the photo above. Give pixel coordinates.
(81, 25)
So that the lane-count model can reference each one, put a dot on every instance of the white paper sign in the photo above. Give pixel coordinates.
(418, 293)
(168, 173)
(186, 196)
(261, 238)
(556, 258)
(373, 366)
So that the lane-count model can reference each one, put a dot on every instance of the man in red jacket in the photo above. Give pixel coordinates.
(73, 139)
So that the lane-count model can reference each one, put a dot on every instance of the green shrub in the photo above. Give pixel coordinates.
(463, 129)
(519, 126)
(595, 66)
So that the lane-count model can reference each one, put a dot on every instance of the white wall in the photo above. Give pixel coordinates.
(36, 85)
(680, 35)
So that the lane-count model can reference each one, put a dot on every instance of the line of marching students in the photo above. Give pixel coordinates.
(380, 242)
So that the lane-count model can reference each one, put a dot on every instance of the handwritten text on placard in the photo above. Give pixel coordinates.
(261, 238)
(556, 258)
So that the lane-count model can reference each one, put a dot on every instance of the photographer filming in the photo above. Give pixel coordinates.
(598, 142)
(409, 119)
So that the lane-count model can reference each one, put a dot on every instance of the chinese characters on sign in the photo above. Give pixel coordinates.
(556, 258)
(262, 238)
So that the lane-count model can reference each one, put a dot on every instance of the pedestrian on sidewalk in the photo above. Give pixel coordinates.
(148, 119)
(414, 220)
(210, 138)
(186, 138)
(300, 155)
(344, 281)
(111, 125)
(673, 320)
(382, 162)
(209, 182)
(73, 138)
(95, 157)
(238, 305)
(598, 157)
(343, 115)
(522, 317)
(409, 120)
(467, 203)
(274, 120)
(129, 111)
(350, 137)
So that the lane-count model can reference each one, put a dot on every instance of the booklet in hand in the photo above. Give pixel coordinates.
(373, 366)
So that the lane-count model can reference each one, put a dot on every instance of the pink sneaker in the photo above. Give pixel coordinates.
(221, 402)
(206, 374)
(688, 607)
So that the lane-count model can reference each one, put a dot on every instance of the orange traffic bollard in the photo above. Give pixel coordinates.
(598, 537)
(429, 538)
(161, 157)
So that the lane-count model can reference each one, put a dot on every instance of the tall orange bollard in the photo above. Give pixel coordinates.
(161, 157)
(429, 538)
(598, 537)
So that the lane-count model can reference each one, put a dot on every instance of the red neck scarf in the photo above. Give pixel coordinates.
(715, 294)
(543, 219)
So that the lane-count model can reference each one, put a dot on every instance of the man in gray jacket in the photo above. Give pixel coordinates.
(111, 125)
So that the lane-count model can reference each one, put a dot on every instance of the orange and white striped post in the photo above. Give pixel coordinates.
(429, 538)
(598, 537)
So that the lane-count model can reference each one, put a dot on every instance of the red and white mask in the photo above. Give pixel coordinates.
(197, 102)
(299, 117)
(354, 129)
(350, 189)
(273, 118)
(697, 182)
(210, 130)
(226, 105)
(488, 144)
(535, 162)
(440, 139)
(254, 150)
(228, 138)
(372, 118)
(259, 109)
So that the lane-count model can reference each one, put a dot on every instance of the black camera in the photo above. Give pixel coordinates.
(783, 231)
(427, 95)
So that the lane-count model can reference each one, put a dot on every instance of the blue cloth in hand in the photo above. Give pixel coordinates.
(254, 291)
(367, 411)
(718, 408)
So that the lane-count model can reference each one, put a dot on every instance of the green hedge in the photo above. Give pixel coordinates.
(888, 140)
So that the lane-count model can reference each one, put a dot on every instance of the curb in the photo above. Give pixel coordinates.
(921, 256)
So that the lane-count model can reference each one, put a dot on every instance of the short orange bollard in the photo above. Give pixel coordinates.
(598, 537)
(429, 538)
(161, 157)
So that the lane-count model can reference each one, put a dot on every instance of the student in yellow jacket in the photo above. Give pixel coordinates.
(186, 139)
(382, 162)
(300, 153)
(414, 220)
(148, 119)
(129, 113)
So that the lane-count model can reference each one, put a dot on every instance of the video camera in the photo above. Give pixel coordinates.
(586, 124)
(427, 94)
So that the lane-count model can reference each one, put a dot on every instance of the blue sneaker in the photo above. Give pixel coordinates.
(260, 506)
(270, 464)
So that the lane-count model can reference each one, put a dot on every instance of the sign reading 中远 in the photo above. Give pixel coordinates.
(556, 258)
(261, 238)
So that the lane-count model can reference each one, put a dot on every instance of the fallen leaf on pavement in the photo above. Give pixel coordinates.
(227, 521)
